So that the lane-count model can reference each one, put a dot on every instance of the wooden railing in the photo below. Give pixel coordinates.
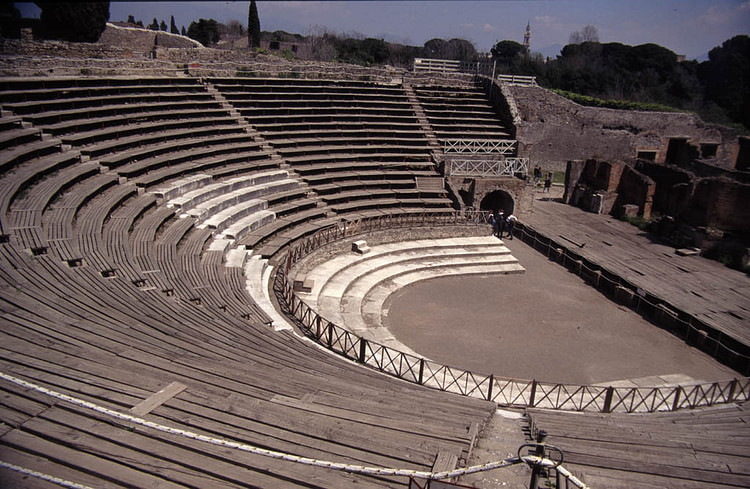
(503, 391)
(483, 146)
(517, 79)
(486, 168)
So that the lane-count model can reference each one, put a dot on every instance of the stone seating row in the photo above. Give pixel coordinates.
(307, 129)
(155, 114)
(688, 449)
(51, 83)
(327, 133)
(456, 113)
(58, 116)
(267, 122)
(166, 329)
(92, 103)
(17, 136)
(281, 85)
(252, 112)
(157, 155)
(23, 93)
(351, 288)
(143, 130)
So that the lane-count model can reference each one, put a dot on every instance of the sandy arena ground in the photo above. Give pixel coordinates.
(545, 324)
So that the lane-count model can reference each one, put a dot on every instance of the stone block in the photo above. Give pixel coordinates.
(630, 210)
(360, 246)
(303, 284)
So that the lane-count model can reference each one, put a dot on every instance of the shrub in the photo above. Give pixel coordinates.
(613, 103)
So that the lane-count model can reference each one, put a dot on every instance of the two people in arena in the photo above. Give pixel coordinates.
(500, 223)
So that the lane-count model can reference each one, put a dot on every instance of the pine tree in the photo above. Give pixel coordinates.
(183, 31)
(73, 21)
(154, 26)
(163, 26)
(253, 26)
(172, 26)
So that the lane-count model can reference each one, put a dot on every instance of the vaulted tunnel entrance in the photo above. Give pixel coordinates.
(498, 200)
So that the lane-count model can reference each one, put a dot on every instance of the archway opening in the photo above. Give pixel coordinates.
(498, 200)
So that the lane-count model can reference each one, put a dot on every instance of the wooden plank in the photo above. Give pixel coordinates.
(82, 461)
(157, 399)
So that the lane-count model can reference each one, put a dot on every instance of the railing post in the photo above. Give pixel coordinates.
(317, 327)
(676, 402)
(362, 349)
(421, 371)
(489, 391)
(732, 390)
(330, 335)
(608, 399)
(533, 393)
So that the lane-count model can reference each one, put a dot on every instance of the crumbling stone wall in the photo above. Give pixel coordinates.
(715, 201)
(554, 130)
(606, 188)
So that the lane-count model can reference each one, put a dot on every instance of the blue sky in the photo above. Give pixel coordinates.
(689, 27)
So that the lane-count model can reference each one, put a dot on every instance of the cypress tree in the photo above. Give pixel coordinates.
(172, 26)
(253, 26)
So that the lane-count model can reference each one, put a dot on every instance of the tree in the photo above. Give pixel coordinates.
(10, 17)
(131, 19)
(172, 26)
(154, 26)
(253, 26)
(204, 31)
(234, 28)
(726, 78)
(183, 31)
(457, 49)
(163, 26)
(507, 52)
(73, 21)
(588, 34)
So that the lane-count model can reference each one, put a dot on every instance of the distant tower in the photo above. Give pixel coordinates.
(527, 37)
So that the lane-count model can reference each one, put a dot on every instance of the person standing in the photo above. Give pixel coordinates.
(500, 223)
(511, 224)
(547, 183)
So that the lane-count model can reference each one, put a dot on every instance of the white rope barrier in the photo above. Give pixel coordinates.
(358, 469)
(46, 477)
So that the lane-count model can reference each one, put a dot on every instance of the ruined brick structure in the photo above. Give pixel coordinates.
(606, 188)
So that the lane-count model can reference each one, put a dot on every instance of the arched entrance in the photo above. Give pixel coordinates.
(498, 200)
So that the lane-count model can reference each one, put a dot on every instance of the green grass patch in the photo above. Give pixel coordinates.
(639, 221)
(614, 104)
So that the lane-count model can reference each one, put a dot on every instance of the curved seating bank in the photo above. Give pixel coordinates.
(127, 207)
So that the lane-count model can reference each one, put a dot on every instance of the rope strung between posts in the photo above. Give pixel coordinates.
(46, 477)
(357, 469)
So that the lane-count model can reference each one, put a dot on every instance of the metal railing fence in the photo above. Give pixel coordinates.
(503, 391)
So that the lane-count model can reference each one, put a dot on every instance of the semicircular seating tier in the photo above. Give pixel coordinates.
(351, 289)
(122, 204)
